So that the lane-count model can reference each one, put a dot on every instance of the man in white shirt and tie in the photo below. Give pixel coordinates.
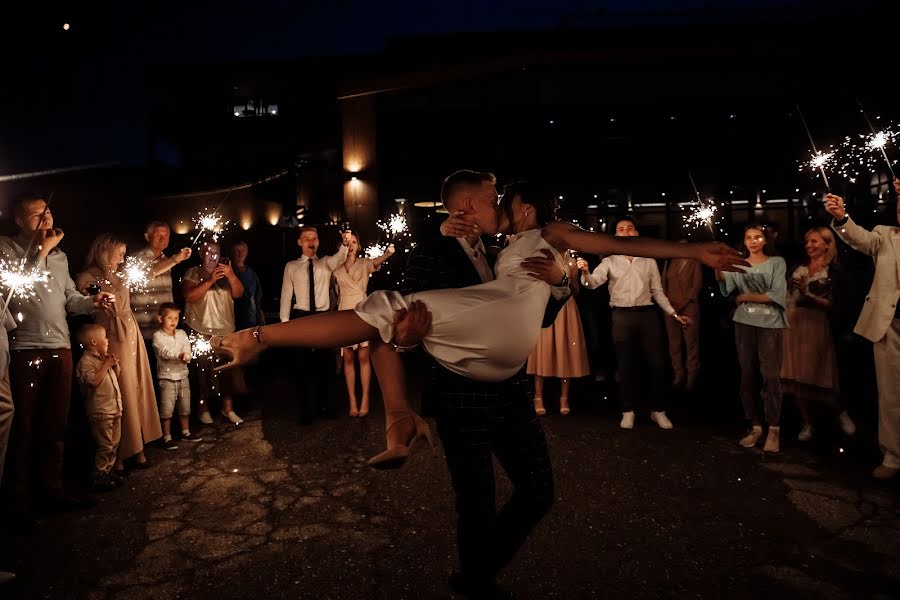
(307, 280)
(634, 283)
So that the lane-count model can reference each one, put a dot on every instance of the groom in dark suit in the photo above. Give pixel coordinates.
(479, 420)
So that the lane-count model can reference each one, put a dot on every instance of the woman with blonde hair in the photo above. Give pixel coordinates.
(140, 417)
(809, 368)
(353, 280)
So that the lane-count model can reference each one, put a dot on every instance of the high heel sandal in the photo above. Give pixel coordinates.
(399, 451)
(539, 406)
(564, 406)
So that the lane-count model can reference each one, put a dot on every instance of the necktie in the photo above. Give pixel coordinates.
(312, 287)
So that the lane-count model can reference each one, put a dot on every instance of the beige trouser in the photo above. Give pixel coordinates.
(107, 431)
(6, 417)
(887, 372)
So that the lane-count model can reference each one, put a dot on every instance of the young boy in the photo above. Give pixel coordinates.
(173, 353)
(98, 374)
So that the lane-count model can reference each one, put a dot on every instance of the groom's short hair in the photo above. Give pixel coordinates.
(455, 181)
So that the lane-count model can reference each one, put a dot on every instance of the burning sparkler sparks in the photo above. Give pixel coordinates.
(863, 153)
(395, 226)
(135, 274)
(376, 250)
(200, 346)
(19, 280)
(701, 214)
(211, 224)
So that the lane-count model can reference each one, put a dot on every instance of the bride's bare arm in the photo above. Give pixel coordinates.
(565, 236)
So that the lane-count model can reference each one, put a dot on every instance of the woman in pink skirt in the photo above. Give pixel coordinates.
(560, 351)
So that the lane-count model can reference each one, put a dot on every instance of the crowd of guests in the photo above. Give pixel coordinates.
(138, 367)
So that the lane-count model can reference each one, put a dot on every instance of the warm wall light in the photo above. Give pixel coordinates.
(246, 219)
(273, 213)
(182, 227)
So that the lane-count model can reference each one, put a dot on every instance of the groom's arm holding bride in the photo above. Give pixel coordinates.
(544, 268)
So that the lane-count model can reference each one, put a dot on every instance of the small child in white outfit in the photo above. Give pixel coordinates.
(173, 353)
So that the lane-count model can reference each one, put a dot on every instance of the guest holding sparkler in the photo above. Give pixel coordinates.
(561, 350)
(158, 289)
(759, 323)
(879, 321)
(140, 417)
(307, 280)
(809, 370)
(173, 353)
(41, 367)
(209, 294)
(634, 284)
(353, 279)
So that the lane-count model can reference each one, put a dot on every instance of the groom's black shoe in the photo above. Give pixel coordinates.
(478, 588)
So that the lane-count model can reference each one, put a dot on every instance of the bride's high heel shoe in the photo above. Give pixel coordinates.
(402, 432)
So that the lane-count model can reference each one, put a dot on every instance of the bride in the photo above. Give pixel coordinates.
(483, 332)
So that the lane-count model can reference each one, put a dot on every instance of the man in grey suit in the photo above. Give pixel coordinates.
(879, 321)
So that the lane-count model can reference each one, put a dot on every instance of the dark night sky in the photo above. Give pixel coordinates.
(77, 96)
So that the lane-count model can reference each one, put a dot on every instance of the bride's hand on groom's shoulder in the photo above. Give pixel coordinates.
(460, 225)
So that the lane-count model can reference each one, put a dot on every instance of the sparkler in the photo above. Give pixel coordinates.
(878, 140)
(135, 274)
(702, 213)
(200, 346)
(819, 159)
(20, 280)
(210, 223)
(395, 226)
(375, 250)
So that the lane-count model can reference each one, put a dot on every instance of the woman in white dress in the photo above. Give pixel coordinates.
(353, 279)
(484, 332)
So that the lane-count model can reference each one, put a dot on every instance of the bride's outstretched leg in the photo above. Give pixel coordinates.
(403, 427)
(324, 330)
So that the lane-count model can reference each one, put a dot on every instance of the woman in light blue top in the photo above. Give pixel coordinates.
(759, 323)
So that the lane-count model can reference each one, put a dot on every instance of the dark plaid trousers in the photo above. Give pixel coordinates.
(477, 421)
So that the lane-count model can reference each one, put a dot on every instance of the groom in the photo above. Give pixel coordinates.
(479, 420)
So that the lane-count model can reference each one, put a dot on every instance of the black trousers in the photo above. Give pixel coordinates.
(641, 351)
(477, 421)
(313, 370)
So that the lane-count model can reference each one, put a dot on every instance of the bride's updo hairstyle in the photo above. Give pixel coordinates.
(544, 203)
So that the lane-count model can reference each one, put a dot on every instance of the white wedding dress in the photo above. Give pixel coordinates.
(484, 332)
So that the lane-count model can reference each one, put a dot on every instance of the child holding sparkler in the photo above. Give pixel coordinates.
(353, 279)
(759, 323)
(98, 373)
(173, 353)
(140, 417)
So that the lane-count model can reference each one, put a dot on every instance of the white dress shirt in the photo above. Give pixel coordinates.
(478, 257)
(296, 283)
(168, 349)
(633, 281)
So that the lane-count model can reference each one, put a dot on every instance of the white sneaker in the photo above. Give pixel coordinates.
(847, 424)
(232, 416)
(805, 434)
(627, 421)
(660, 418)
(205, 418)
